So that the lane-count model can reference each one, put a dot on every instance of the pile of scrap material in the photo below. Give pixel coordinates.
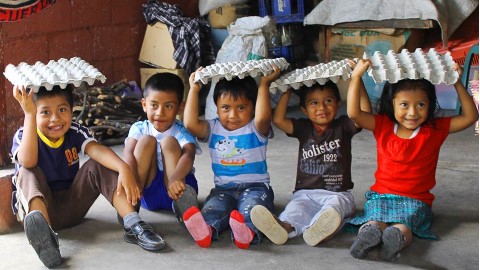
(107, 111)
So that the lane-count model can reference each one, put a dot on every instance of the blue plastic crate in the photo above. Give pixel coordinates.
(291, 53)
(283, 11)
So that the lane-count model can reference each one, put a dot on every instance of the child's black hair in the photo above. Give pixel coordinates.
(56, 91)
(165, 81)
(385, 103)
(246, 87)
(305, 90)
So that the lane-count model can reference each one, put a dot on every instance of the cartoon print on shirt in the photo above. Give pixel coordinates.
(228, 150)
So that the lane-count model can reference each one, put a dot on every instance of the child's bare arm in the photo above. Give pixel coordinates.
(355, 106)
(263, 110)
(27, 154)
(279, 116)
(197, 127)
(176, 181)
(126, 180)
(469, 113)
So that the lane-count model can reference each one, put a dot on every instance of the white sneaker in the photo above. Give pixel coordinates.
(268, 225)
(327, 223)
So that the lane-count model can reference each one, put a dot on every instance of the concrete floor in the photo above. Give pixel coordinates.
(98, 242)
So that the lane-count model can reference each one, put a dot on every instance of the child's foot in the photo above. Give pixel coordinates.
(143, 235)
(368, 237)
(42, 238)
(393, 241)
(197, 227)
(188, 199)
(326, 224)
(242, 234)
(266, 222)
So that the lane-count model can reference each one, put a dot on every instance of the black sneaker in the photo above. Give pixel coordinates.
(137, 209)
(188, 199)
(42, 238)
(143, 235)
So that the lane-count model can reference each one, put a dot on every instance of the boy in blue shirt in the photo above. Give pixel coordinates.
(161, 151)
(52, 190)
(237, 141)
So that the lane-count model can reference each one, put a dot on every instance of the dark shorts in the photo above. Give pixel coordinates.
(155, 197)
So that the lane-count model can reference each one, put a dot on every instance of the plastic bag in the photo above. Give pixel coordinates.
(245, 41)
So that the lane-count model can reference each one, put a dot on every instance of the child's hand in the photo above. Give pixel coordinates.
(361, 67)
(25, 99)
(175, 189)
(195, 86)
(271, 77)
(459, 69)
(127, 183)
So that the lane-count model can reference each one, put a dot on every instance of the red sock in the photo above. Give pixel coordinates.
(197, 227)
(242, 235)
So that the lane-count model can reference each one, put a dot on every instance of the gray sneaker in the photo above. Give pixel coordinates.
(42, 238)
(188, 199)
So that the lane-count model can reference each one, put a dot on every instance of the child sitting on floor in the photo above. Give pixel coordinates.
(237, 140)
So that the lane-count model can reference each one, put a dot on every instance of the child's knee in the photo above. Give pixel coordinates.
(169, 143)
(147, 142)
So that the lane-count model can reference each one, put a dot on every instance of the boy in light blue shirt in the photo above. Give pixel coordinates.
(161, 151)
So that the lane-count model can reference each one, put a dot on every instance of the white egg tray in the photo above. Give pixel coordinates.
(239, 69)
(320, 73)
(432, 66)
(61, 72)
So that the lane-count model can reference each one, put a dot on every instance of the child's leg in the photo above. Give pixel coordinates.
(243, 228)
(31, 186)
(94, 179)
(217, 208)
(369, 235)
(146, 156)
(336, 209)
(395, 238)
(273, 228)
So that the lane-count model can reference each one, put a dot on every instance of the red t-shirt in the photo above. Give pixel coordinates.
(407, 167)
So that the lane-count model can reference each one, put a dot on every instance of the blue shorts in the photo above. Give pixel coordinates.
(155, 197)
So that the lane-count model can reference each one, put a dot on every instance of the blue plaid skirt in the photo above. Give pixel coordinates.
(390, 208)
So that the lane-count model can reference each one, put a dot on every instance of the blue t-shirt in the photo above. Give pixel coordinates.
(177, 130)
(59, 161)
(238, 156)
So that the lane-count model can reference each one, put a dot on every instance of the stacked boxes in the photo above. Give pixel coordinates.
(288, 14)
(157, 51)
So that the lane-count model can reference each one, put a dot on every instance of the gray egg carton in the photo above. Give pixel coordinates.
(239, 69)
(432, 66)
(61, 73)
(320, 73)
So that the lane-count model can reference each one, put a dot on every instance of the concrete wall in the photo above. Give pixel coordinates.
(106, 33)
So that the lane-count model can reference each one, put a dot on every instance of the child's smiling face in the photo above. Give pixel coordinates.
(321, 107)
(410, 108)
(162, 108)
(54, 117)
(234, 113)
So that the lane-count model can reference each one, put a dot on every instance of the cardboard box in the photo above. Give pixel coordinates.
(146, 73)
(157, 48)
(352, 43)
(222, 17)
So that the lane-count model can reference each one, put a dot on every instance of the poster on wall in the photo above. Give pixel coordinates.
(15, 10)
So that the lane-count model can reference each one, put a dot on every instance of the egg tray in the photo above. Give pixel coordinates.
(61, 72)
(239, 69)
(432, 66)
(320, 73)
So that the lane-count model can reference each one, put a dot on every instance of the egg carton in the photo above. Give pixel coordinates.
(432, 66)
(320, 73)
(239, 69)
(61, 73)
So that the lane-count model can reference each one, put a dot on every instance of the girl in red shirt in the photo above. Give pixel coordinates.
(409, 137)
